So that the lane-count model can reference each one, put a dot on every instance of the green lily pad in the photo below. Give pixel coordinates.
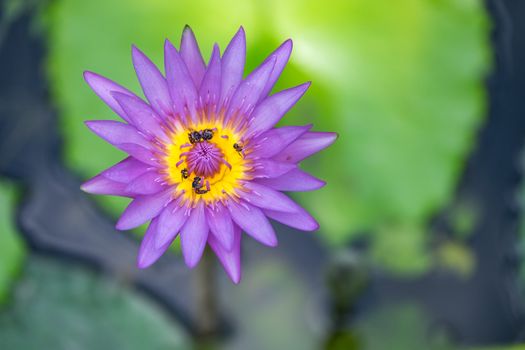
(66, 307)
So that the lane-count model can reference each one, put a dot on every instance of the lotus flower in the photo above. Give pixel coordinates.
(205, 158)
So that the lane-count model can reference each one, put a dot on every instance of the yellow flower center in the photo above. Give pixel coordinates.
(205, 169)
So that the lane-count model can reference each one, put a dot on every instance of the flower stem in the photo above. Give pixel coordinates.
(207, 318)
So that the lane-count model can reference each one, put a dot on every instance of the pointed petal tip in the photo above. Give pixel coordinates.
(187, 31)
(191, 261)
(216, 50)
(93, 125)
(89, 185)
(286, 46)
(137, 54)
(168, 45)
(121, 226)
(85, 186)
(272, 243)
(313, 226)
(93, 79)
(88, 75)
(240, 34)
(235, 278)
(141, 264)
(332, 136)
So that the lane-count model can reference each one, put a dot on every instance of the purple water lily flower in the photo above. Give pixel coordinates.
(205, 158)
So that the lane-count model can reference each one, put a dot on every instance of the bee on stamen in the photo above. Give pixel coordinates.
(198, 185)
(207, 134)
(194, 136)
(184, 173)
(239, 148)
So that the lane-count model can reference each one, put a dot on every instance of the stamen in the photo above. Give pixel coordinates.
(204, 159)
(226, 163)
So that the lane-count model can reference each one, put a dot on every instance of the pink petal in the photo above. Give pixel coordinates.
(300, 220)
(148, 183)
(273, 108)
(142, 116)
(103, 88)
(275, 140)
(232, 65)
(171, 220)
(144, 208)
(253, 222)
(117, 133)
(306, 145)
(210, 89)
(230, 259)
(191, 55)
(102, 185)
(193, 236)
(294, 180)
(267, 198)
(143, 154)
(126, 170)
(267, 168)
(180, 85)
(281, 54)
(148, 252)
(249, 91)
(153, 83)
(221, 225)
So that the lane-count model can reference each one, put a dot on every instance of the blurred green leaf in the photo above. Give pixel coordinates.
(407, 97)
(456, 257)
(12, 250)
(275, 309)
(463, 219)
(66, 307)
(401, 249)
(401, 327)
(402, 83)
